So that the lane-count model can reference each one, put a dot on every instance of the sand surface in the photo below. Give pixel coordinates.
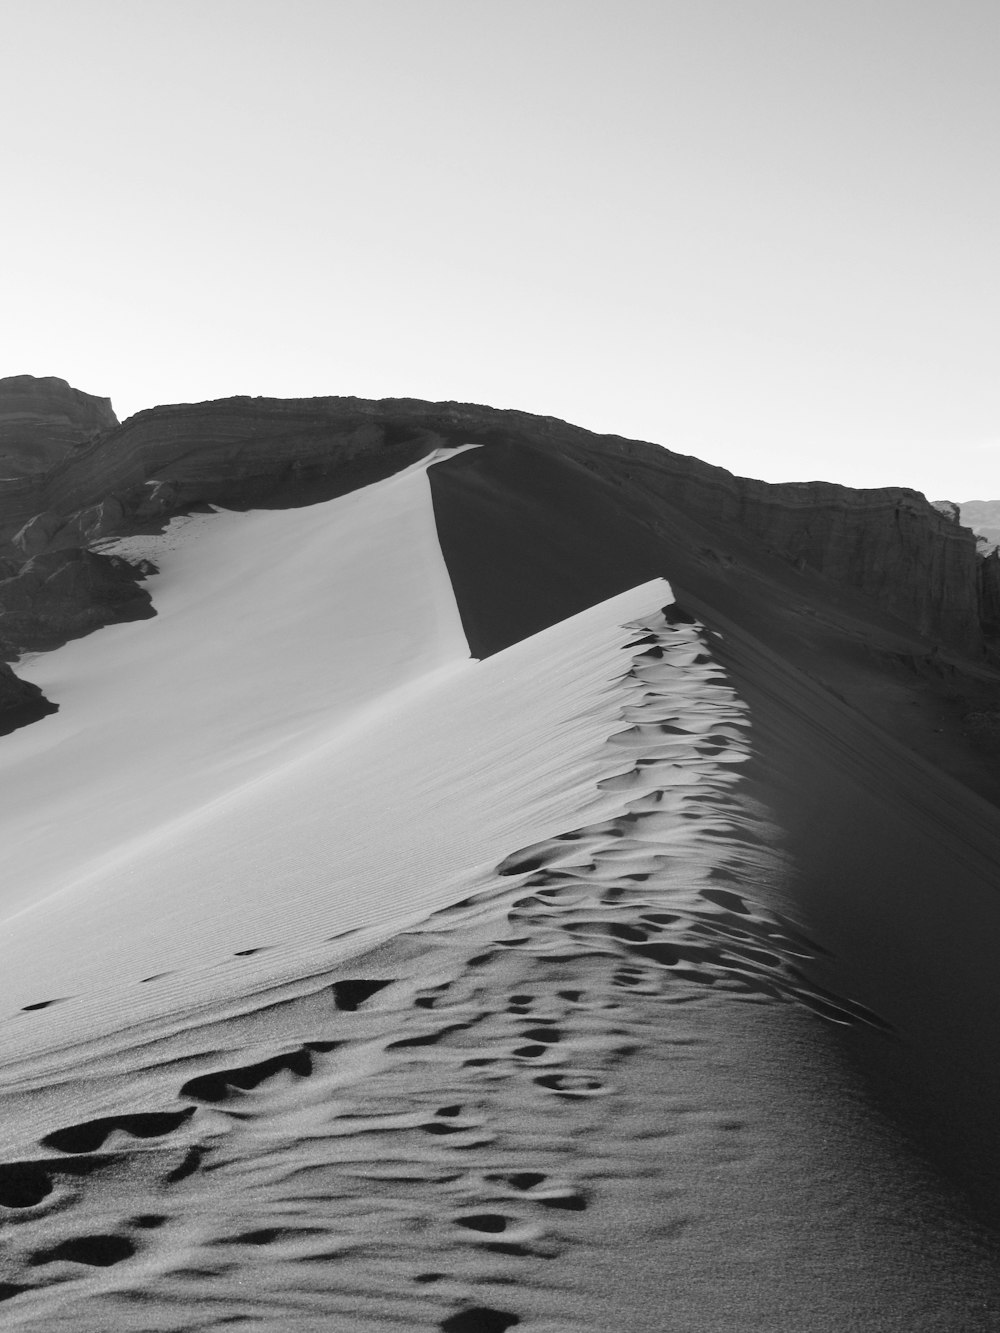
(589, 986)
(270, 626)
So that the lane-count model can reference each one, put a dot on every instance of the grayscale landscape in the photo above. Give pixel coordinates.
(468, 873)
(500, 666)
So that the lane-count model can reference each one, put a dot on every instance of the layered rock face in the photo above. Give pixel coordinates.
(20, 701)
(44, 420)
(100, 479)
(989, 591)
(236, 452)
(890, 544)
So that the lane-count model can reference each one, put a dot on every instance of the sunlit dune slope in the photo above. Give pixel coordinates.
(489, 900)
(271, 628)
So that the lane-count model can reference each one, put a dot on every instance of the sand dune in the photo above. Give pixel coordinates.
(399, 1105)
(377, 987)
(266, 630)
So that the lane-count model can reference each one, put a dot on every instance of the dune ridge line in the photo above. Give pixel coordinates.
(436, 1121)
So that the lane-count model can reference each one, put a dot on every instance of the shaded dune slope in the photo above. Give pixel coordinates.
(518, 564)
(898, 871)
(897, 865)
(530, 539)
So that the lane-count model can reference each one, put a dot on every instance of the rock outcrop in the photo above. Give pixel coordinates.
(20, 701)
(890, 544)
(989, 594)
(65, 593)
(43, 420)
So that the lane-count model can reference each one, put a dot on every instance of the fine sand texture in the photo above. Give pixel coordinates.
(468, 929)
(897, 865)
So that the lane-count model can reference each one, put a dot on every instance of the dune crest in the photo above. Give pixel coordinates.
(498, 877)
(442, 1103)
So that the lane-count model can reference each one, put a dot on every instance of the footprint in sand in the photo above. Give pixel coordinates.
(44, 1004)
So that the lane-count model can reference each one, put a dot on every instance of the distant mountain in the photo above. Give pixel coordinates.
(43, 420)
(983, 517)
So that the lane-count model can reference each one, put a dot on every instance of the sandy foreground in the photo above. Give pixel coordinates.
(620, 980)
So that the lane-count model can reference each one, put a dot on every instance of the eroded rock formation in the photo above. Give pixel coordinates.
(43, 420)
(83, 476)
(65, 593)
(20, 701)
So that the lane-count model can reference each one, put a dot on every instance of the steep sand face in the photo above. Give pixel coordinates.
(265, 648)
(897, 865)
(561, 531)
(898, 873)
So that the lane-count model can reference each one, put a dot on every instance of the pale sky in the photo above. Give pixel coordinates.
(765, 232)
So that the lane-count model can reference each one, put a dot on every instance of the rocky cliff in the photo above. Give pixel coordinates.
(95, 481)
(43, 420)
(890, 544)
(989, 594)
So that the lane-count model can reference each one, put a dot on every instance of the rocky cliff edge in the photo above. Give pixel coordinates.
(84, 476)
(43, 420)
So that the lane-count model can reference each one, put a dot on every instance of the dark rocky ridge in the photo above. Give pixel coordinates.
(20, 702)
(43, 421)
(889, 545)
(65, 593)
(989, 594)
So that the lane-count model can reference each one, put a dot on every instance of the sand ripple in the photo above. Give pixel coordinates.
(427, 1137)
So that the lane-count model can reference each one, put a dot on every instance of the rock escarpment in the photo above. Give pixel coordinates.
(20, 701)
(65, 593)
(43, 420)
(104, 480)
(989, 594)
(891, 543)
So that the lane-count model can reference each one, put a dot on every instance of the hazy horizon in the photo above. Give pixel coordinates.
(762, 234)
